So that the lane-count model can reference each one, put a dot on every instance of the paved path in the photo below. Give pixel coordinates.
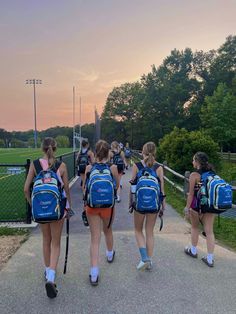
(177, 284)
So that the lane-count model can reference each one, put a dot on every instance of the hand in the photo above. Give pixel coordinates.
(161, 212)
(68, 213)
(186, 212)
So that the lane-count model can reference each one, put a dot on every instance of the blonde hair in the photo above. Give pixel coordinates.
(101, 150)
(49, 146)
(115, 146)
(149, 153)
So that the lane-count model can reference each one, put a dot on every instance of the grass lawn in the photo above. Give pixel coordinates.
(13, 204)
(20, 155)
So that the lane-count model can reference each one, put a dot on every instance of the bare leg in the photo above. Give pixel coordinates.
(138, 229)
(149, 227)
(95, 230)
(108, 233)
(194, 218)
(46, 233)
(208, 222)
(56, 230)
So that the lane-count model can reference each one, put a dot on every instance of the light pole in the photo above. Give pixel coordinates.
(34, 82)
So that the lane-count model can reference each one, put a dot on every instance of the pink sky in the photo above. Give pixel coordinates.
(95, 46)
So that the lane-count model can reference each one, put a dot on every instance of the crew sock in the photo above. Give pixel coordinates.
(46, 271)
(109, 254)
(51, 275)
(94, 273)
(193, 249)
(210, 258)
(143, 253)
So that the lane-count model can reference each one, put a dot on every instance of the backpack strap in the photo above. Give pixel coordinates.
(155, 166)
(139, 165)
(56, 166)
(37, 166)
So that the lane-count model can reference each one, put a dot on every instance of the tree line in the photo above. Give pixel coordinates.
(194, 91)
(63, 135)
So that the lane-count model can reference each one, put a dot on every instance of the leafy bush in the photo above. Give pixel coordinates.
(179, 146)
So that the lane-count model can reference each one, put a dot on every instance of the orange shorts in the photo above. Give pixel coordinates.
(102, 212)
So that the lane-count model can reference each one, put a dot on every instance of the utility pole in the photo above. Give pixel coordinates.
(74, 148)
(34, 82)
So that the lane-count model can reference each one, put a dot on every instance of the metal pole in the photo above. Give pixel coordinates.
(73, 118)
(80, 138)
(35, 121)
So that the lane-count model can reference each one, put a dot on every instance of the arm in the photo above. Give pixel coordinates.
(193, 179)
(64, 177)
(160, 174)
(28, 182)
(122, 154)
(87, 170)
(91, 156)
(115, 174)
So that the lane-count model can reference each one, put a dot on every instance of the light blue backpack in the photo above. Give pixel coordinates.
(215, 193)
(47, 199)
(148, 189)
(100, 187)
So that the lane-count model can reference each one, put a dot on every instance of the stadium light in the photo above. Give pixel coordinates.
(34, 82)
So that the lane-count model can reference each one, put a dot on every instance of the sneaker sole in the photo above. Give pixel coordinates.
(145, 265)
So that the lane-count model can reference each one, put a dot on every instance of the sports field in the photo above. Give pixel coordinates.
(12, 178)
(20, 155)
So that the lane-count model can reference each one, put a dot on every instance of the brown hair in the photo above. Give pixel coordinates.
(84, 143)
(115, 146)
(149, 153)
(202, 159)
(49, 146)
(101, 150)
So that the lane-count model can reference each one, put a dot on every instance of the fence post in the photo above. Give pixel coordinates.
(186, 183)
(28, 207)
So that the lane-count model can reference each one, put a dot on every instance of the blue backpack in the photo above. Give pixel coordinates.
(148, 189)
(47, 199)
(214, 194)
(128, 153)
(100, 187)
(118, 161)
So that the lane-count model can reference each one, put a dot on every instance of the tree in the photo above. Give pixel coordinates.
(218, 115)
(179, 146)
(62, 141)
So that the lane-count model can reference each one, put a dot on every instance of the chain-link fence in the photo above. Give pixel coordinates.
(13, 205)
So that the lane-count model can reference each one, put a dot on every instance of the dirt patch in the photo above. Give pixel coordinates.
(8, 246)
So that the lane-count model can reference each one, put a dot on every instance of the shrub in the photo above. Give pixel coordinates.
(179, 146)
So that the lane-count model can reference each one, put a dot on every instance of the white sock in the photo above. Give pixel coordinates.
(46, 271)
(51, 275)
(194, 249)
(109, 254)
(94, 271)
(210, 258)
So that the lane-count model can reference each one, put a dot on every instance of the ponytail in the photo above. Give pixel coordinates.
(49, 147)
(149, 153)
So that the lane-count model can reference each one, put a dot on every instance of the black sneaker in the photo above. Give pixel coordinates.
(204, 259)
(188, 251)
(51, 289)
(85, 219)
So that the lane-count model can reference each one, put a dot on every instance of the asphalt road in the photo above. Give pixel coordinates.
(177, 283)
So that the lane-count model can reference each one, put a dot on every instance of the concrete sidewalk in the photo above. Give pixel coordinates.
(177, 284)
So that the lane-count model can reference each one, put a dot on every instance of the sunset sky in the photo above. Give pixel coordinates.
(94, 45)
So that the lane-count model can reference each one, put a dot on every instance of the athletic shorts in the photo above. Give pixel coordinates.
(102, 212)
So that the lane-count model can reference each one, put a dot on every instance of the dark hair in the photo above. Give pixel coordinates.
(101, 150)
(84, 143)
(149, 153)
(202, 158)
(49, 146)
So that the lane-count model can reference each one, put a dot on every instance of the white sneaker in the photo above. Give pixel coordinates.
(118, 199)
(142, 265)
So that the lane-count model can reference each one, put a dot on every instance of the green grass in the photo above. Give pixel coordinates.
(13, 203)
(20, 155)
(5, 231)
